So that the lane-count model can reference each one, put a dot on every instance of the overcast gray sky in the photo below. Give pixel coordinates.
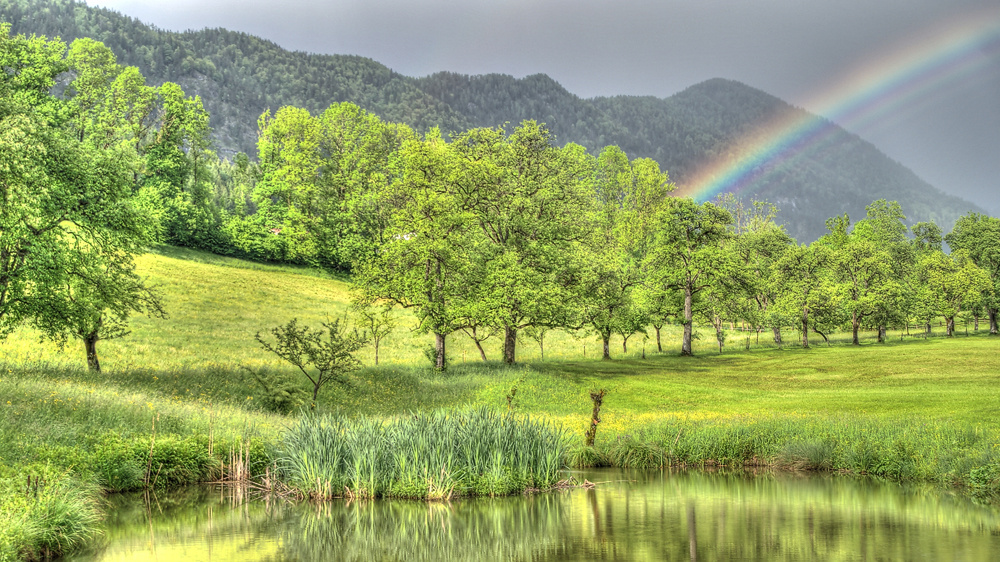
(947, 131)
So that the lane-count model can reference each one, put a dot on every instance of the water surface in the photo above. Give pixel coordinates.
(628, 516)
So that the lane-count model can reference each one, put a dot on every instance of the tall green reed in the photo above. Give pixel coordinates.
(428, 455)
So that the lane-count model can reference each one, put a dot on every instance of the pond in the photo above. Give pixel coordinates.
(630, 515)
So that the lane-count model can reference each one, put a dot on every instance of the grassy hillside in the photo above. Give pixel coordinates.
(217, 304)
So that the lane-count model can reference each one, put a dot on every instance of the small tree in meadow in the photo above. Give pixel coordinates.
(377, 323)
(322, 354)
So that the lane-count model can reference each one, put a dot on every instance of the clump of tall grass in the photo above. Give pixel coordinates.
(44, 513)
(806, 455)
(626, 451)
(434, 455)
(582, 456)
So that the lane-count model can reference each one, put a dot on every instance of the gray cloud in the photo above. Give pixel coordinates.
(793, 49)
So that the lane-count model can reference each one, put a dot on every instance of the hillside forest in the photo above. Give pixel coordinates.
(494, 232)
(238, 77)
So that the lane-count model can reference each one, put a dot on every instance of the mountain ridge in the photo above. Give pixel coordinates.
(239, 76)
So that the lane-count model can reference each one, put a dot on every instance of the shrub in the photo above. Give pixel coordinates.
(175, 461)
(278, 392)
(985, 480)
(116, 466)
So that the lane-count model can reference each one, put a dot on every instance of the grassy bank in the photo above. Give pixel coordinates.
(175, 400)
(66, 437)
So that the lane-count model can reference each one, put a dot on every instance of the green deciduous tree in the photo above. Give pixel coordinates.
(69, 225)
(99, 294)
(422, 262)
(802, 272)
(322, 184)
(688, 253)
(884, 228)
(176, 179)
(527, 202)
(866, 283)
(376, 323)
(629, 196)
(952, 284)
(321, 354)
(979, 236)
(757, 244)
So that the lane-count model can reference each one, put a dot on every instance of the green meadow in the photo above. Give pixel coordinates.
(175, 403)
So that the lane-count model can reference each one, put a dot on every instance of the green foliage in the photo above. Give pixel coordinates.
(688, 254)
(985, 480)
(627, 451)
(979, 236)
(630, 195)
(583, 456)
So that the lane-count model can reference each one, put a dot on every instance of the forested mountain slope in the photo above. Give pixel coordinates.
(239, 76)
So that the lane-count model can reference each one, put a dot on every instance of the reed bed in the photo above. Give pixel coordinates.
(945, 452)
(436, 455)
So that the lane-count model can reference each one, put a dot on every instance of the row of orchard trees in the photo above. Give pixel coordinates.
(497, 233)
(94, 167)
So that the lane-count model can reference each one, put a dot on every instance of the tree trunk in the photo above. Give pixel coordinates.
(805, 327)
(439, 352)
(825, 339)
(927, 330)
(881, 334)
(376, 353)
(993, 321)
(90, 344)
(482, 353)
(595, 417)
(720, 337)
(509, 344)
(659, 347)
(777, 335)
(855, 324)
(624, 345)
(606, 338)
(688, 320)
(976, 325)
(950, 326)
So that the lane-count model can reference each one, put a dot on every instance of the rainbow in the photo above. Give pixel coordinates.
(864, 96)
